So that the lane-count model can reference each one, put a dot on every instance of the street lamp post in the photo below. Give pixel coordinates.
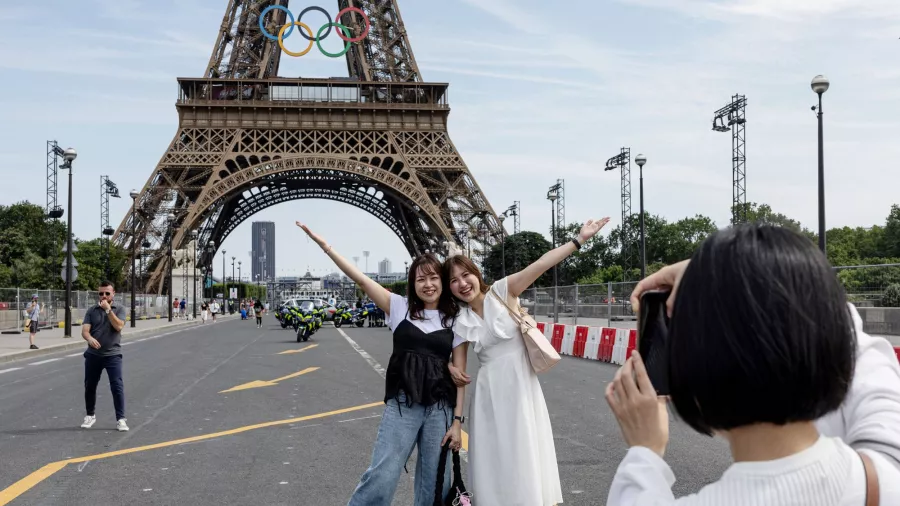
(171, 219)
(240, 281)
(209, 269)
(69, 156)
(641, 160)
(225, 283)
(134, 195)
(819, 86)
(552, 195)
(194, 235)
(232, 277)
(502, 218)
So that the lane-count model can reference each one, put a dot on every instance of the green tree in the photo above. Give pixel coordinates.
(521, 250)
(763, 213)
(891, 237)
(91, 256)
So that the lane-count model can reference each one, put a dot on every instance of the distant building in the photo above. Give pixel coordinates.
(384, 267)
(263, 251)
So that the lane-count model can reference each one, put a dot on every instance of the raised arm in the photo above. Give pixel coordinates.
(520, 281)
(379, 294)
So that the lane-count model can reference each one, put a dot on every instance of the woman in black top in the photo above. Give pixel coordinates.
(423, 406)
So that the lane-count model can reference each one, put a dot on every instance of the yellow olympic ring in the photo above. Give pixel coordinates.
(281, 38)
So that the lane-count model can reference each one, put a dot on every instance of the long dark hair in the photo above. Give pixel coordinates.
(446, 304)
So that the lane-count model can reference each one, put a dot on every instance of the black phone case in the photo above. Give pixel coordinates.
(653, 337)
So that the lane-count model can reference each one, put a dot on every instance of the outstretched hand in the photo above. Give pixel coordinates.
(312, 235)
(590, 228)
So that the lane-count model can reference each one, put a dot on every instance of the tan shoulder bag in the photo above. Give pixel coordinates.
(872, 491)
(540, 352)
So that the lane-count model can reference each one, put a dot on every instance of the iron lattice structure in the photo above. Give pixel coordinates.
(54, 152)
(622, 161)
(561, 205)
(107, 189)
(248, 140)
(735, 113)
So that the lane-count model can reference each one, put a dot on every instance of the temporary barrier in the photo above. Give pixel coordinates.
(541, 326)
(632, 340)
(581, 333)
(897, 351)
(592, 346)
(620, 349)
(607, 341)
(548, 331)
(558, 331)
(568, 342)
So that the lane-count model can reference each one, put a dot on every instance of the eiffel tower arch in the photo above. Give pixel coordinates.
(248, 140)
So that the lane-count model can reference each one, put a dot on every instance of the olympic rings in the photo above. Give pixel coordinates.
(288, 28)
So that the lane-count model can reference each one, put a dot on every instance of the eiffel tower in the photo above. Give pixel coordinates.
(248, 139)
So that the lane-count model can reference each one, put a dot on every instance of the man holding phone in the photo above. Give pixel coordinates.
(102, 329)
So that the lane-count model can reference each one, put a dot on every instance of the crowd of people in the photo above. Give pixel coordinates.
(764, 351)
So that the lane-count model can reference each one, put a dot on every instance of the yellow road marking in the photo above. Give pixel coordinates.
(257, 383)
(301, 350)
(25, 484)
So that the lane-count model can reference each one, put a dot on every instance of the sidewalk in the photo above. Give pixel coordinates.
(15, 346)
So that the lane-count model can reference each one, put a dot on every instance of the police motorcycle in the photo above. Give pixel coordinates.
(342, 315)
(306, 326)
(360, 316)
(281, 314)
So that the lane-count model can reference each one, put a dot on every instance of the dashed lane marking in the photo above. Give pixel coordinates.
(10, 370)
(46, 361)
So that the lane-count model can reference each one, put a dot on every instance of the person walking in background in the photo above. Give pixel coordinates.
(763, 350)
(34, 314)
(258, 308)
(102, 329)
(213, 309)
(512, 456)
(204, 311)
(183, 306)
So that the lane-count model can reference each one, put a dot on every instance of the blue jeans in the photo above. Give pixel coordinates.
(403, 428)
(93, 369)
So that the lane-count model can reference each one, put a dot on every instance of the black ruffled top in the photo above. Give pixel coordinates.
(418, 367)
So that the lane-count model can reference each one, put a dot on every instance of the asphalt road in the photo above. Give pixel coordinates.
(174, 390)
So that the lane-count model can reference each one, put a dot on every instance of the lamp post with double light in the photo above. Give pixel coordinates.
(232, 279)
(170, 218)
(240, 282)
(134, 195)
(69, 156)
(820, 86)
(552, 195)
(641, 160)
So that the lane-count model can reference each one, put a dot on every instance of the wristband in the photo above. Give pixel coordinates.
(576, 243)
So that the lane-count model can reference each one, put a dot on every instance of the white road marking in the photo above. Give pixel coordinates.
(126, 344)
(76, 354)
(45, 361)
(372, 362)
(362, 418)
(10, 370)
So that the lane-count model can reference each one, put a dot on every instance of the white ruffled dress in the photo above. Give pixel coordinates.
(512, 457)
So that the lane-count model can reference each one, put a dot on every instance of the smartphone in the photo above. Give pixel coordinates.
(653, 337)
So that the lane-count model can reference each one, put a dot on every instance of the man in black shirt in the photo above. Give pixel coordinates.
(259, 308)
(102, 329)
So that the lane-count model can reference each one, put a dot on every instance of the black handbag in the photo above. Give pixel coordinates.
(458, 495)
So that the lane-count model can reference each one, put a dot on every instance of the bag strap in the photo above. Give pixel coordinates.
(872, 491)
(515, 316)
(439, 485)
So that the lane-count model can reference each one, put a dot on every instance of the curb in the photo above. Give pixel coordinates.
(78, 342)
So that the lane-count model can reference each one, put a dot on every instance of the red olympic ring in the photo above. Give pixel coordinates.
(365, 18)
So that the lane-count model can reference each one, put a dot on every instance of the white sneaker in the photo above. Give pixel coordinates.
(121, 426)
(88, 422)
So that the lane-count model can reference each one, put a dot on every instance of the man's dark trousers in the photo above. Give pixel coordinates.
(93, 369)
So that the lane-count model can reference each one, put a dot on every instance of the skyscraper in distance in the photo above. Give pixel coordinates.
(384, 266)
(263, 251)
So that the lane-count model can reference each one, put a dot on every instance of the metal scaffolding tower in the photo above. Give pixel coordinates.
(735, 112)
(622, 161)
(107, 189)
(54, 152)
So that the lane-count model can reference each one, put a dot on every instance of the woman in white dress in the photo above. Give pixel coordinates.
(512, 458)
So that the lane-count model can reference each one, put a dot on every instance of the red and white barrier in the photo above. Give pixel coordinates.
(597, 343)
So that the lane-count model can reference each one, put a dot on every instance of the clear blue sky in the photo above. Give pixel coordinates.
(537, 92)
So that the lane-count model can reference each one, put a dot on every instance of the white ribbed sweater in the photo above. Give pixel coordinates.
(829, 473)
